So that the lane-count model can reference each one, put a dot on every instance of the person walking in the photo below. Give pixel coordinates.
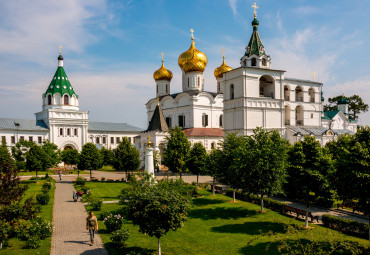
(60, 175)
(92, 226)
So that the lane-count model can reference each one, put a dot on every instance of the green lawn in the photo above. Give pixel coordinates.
(215, 226)
(107, 191)
(15, 246)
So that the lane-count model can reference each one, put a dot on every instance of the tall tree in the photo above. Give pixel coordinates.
(107, 156)
(309, 164)
(197, 160)
(126, 157)
(19, 151)
(90, 158)
(355, 107)
(53, 154)
(213, 165)
(70, 156)
(37, 159)
(10, 188)
(157, 210)
(176, 151)
(227, 172)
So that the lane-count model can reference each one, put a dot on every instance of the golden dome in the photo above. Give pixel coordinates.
(192, 59)
(222, 69)
(162, 74)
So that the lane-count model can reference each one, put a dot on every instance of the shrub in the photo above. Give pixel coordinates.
(33, 243)
(345, 225)
(43, 199)
(103, 179)
(80, 181)
(84, 189)
(113, 222)
(30, 208)
(4, 232)
(46, 187)
(11, 212)
(104, 214)
(96, 204)
(119, 237)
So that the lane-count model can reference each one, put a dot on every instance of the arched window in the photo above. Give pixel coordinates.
(61, 131)
(68, 131)
(298, 94)
(287, 115)
(49, 99)
(286, 93)
(267, 86)
(264, 62)
(98, 140)
(311, 93)
(212, 145)
(232, 91)
(76, 132)
(66, 100)
(254, 62)
(221, 120)
(205, 120)
(299, 116)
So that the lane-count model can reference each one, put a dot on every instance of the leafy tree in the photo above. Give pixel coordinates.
(263, 162)
(157, 210)
(126, 157)
(37, 159)
(197, 160)
(226, 171)
(70, 156)
(355, 107)
(213, 165)
(19, 151)
(176, 151)
(309, 164)
(90, 158)
(107, 156)
(53, 154)
(10, 188)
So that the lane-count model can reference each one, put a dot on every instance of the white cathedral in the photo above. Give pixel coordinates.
(250, 96)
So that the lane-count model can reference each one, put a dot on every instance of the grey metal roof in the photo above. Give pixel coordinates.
(308, 130)
(191, 93)
(110, 126)
(343, 131)
(294, 79)
(24, 125)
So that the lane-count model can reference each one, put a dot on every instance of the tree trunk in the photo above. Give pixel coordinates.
(307, 207)
(78, 172)
(261, 203)
(36, 176)
(90, 175)
(234, 195)
(213, 186)
(159, 247)
(197, 181)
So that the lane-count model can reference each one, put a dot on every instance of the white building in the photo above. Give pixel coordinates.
(62, 122)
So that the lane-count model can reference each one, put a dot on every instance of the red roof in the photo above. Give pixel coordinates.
(213, 132)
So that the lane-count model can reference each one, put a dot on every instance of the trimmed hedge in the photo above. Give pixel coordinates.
(346, 225)
(251, 198)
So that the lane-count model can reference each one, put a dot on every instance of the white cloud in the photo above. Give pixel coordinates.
(232, 4)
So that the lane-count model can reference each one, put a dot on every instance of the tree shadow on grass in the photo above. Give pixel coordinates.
(260, 248)
(221, 213)
(207, 201)
(251, 228)
(128, 250)
(93, 252)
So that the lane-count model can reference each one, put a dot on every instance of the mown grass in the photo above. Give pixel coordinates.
(15, 246)
(107, 191)
(216, 226)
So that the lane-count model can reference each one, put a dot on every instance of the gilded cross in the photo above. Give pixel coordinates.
(60, 50)
(223, 52)
(192, 33)
(255, 7)
(162, 56)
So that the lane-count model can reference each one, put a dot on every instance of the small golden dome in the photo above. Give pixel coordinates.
(192, 59)
(222, 69)
(162, 74)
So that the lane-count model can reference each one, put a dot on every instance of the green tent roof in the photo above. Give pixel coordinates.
(330, 114)
(60, 84)
(255, 44)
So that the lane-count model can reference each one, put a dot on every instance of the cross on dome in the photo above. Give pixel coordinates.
(255, 7)
(162, 56)
(192, 33)
(60, 50)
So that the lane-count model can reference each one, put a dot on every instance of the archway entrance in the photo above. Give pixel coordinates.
(287, 115)
(69, 147)
(267, 86)
(299, 116)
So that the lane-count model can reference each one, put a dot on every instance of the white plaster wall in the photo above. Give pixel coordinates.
(26, 134)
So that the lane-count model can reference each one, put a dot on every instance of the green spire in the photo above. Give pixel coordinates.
(255, 46)
(60, 83)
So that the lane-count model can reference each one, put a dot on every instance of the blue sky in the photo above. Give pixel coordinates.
(112, 48)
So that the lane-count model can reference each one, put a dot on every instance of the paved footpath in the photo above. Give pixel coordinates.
(70, 236)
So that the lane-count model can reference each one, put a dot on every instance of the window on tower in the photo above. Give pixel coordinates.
(49, 99)
(66, 100)
(205, 120)
(264, 62)
(254, 62)
(221, 120)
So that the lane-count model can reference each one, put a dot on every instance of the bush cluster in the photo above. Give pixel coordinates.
(80, 181)
(96, 203)
(119, 237)
(113, 222)
(46, 187)
(43, 199)
(17, 211)
(345, 225)
(248, 197)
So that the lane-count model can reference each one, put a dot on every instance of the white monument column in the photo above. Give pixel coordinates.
(149, 161)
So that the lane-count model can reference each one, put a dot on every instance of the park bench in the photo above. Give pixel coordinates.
(219, 189)
(354, 208)
(299, 212)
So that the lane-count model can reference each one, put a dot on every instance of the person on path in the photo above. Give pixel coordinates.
(92, 226)
(60, 175)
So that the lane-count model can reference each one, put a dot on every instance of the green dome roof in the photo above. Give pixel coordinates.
(255, 23)
(343, 100)
(60, 83)
(255, 43)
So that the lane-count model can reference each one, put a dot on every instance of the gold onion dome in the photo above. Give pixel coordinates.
(192, 59)
(222, 69)
(162, 74)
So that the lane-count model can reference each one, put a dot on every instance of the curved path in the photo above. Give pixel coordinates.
(70, 236)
